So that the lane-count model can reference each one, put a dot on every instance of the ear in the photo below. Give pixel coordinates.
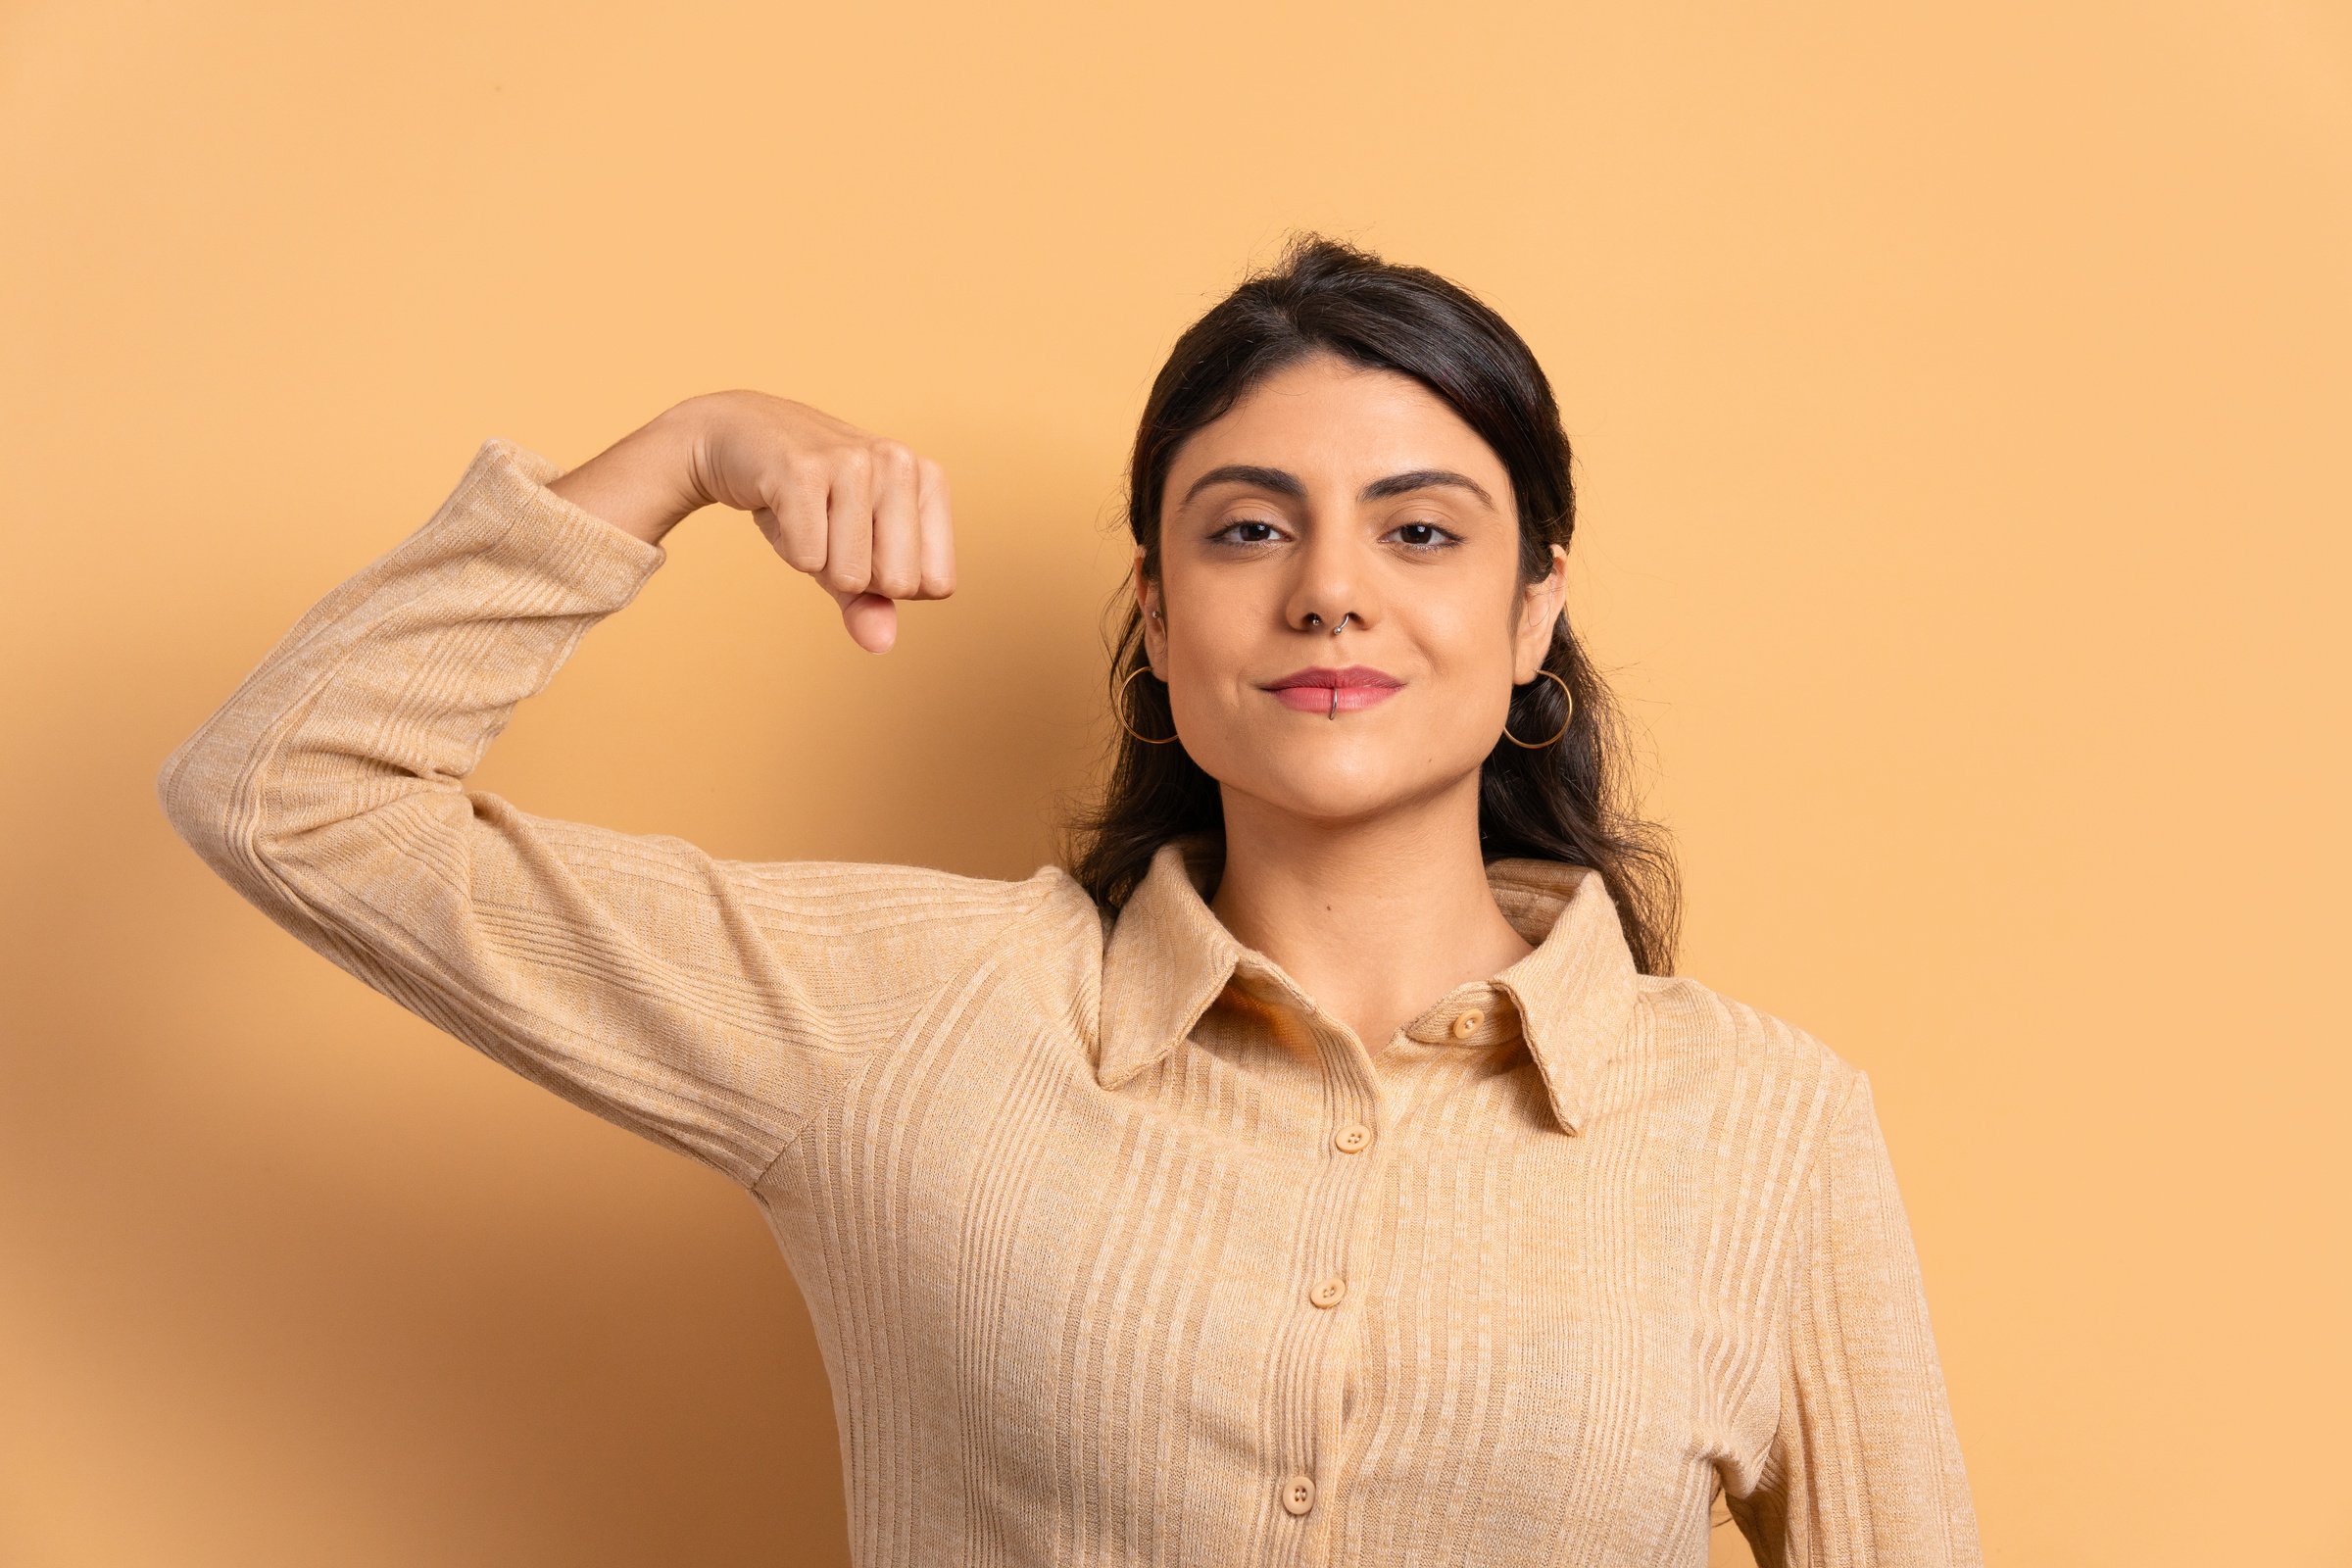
(1155, 640)
(1539, 611)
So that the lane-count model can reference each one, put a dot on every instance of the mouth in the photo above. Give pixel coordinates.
(1320, 689)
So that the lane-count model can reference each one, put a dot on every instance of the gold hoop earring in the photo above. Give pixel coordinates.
(1118, 709)
(1536, 746)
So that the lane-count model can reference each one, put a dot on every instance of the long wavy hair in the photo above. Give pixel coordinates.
(1570, 800)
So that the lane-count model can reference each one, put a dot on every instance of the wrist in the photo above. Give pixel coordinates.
(643, 483)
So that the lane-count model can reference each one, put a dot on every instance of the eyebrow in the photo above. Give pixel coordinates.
(1283, 482)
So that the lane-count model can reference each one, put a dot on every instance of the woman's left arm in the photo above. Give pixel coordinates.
(1864, 1467)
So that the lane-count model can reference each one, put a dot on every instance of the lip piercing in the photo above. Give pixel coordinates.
(1335, 690)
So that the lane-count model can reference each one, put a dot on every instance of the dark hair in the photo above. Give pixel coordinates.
(1568, 800)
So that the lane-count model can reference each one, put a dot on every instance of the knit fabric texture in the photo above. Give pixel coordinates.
(1122, 1250)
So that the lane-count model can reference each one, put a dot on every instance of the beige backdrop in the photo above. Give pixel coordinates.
(1959, 403)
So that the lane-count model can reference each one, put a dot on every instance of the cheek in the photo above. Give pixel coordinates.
(1207, 671)
(1470, 663)
(1466, 646)
(1209, 649)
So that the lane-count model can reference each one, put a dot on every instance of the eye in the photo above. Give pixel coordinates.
(1445, 539)
(1247, 522)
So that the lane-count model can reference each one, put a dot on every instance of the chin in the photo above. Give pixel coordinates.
(1323, 788)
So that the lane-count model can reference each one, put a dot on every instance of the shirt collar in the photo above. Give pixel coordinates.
(1169, 956)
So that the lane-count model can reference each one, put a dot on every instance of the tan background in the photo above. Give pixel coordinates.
(1959, 403)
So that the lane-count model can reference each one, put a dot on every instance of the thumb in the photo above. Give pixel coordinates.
(872, 620)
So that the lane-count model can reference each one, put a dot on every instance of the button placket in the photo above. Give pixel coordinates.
(1346, 1188)
(1341, 1190)
(1353, 1139)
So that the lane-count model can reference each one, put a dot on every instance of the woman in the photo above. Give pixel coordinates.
(1325, 1167)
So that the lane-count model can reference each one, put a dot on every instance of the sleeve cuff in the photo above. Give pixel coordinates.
(504, 493)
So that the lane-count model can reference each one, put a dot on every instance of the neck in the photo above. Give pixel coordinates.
(1375, 919)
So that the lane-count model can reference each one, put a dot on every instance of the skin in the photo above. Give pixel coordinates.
(1351, 844)
(1352, 852)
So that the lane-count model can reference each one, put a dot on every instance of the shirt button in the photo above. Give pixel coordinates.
(1298, 1494)
(1353, 1139)
(1329, 1292)
(1467, 1021)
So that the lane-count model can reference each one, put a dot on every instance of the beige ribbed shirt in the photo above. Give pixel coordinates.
(1119, 1248)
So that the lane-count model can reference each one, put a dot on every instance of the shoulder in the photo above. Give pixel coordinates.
(1690, 1015)
(1750, 1073)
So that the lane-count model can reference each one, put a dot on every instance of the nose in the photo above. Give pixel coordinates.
(1332, 590)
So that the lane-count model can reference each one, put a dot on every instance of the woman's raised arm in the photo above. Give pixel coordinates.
(708, 1004)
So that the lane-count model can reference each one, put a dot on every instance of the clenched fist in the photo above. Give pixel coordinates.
(861, 513)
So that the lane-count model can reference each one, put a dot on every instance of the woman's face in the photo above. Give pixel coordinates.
(1336, 490)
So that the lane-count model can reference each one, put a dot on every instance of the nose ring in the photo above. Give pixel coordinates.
(1317, 621)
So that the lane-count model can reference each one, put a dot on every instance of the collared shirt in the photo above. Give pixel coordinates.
(1119, 1248)
(1173, 974)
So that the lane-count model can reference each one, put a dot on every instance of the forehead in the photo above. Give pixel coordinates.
(1325, 418)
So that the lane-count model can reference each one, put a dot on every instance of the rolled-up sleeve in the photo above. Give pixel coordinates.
(707, 1004)
(1864, 1466)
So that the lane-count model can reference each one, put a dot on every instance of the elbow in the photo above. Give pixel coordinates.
(230, 803)
(192, 805)
(302, 826)
(284, 826)
(274, 849)
(211, 799)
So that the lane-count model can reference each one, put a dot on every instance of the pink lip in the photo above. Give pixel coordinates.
(1312, 690)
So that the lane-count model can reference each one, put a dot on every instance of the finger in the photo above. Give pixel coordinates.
(850, 520)
(937, 530)
(796, 525)
(898, 566)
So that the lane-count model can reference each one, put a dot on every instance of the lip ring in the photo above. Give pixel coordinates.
(1328, 690)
